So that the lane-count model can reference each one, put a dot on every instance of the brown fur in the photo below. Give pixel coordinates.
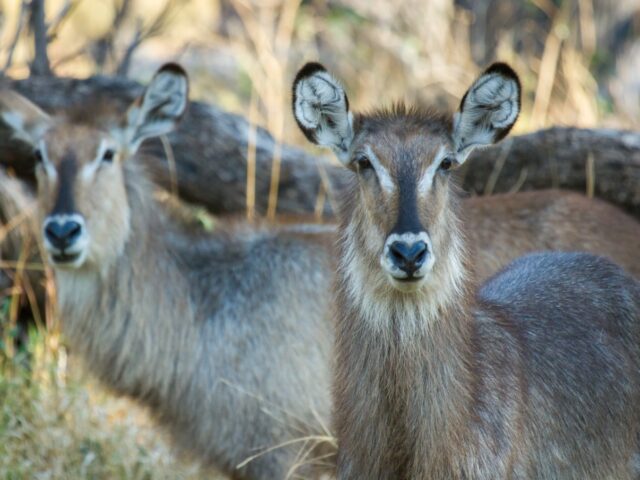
(503, 227)
(434, 383)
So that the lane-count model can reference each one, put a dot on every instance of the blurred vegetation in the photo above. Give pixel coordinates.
(578, 61)
(55, 423)
(572, 54)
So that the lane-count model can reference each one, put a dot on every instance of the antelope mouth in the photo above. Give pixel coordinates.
(411, 279)
(408, 284)
(64, 258)
(66, 240)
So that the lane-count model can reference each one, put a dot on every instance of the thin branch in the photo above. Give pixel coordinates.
(125, 62)
(143, 34)
(14, 41)
(63, 14)
(103, 47)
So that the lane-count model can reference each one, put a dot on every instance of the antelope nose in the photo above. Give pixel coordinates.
(62, 234)
(408, 257)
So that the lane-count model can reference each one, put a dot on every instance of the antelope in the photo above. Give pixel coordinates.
(226, 337)
(204, 330)
(533, 374)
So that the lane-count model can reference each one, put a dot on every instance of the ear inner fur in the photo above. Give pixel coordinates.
(321, 110)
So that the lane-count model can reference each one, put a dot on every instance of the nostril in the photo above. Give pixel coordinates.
(51, 231)
(397, 251)
(74, 230)
(420, 253)
(69, 232)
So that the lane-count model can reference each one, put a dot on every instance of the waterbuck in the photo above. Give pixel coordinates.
(223, 336)
(226, 337)
(537, 375)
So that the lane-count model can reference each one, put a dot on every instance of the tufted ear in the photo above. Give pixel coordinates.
(321, 109)
(26, 121)
(159, 109)
(487, 111)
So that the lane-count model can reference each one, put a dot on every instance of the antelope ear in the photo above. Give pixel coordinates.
(321, 109)
(487, 111)
(160, 108)
(26, 121)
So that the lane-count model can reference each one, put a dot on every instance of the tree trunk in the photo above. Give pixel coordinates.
(604, 162)
(40, 64)
(210, 150)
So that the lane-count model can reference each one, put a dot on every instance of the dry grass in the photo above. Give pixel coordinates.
(55, 422)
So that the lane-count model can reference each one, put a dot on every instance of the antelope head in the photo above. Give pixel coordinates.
(399, 213)
(82, 197)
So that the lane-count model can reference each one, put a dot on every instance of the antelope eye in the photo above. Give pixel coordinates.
(108, 155)
(37, 155)
(363, 163)
(446, 163)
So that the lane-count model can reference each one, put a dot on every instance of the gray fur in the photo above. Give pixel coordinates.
(536, 376)
(224, 337)
(197, 331)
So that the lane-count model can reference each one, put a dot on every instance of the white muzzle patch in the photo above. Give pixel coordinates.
(65, 249)
(390, 265)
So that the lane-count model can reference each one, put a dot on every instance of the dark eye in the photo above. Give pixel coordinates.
(108, 155)
(446, 163)
(37, 155)
(363, 163)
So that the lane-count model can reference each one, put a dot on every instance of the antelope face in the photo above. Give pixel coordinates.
(401, 194)
(397, 211)
(82, 198)
(82, 195)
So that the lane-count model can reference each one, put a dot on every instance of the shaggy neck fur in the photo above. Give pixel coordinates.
(119, 317)
(224, 350)
(403, 370)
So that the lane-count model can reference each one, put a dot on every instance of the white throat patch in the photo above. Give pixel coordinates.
(378, 301)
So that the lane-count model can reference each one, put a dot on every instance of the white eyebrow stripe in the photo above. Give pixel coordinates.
(89, 169)
(46, 163)
(383, 174)
(427, 179)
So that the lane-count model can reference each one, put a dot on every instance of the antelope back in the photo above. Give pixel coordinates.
(502, 227)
